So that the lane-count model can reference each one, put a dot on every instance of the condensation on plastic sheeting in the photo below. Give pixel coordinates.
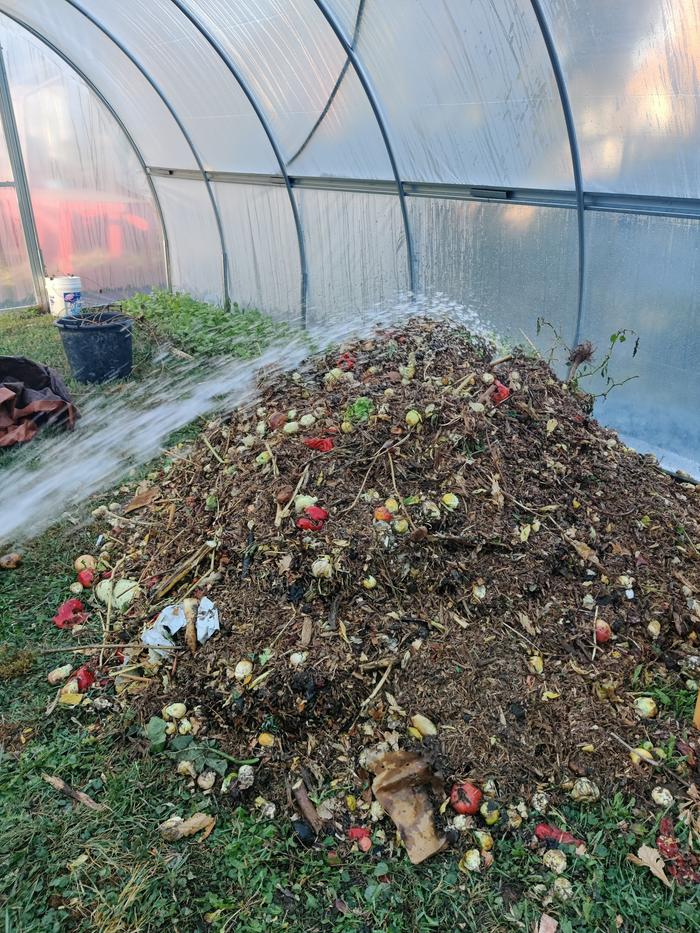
(633, 73)
(195, 247)
(510, 263)
(356, 251)
(644, 275)
(221, 121)
(264, 267)
(468, 91)
(291, 60)
(138, 105)
(16, 288)
(94, 210)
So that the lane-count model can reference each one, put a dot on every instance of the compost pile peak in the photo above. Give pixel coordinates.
(415, 546)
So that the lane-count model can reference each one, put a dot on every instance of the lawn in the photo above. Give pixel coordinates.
(69, 867)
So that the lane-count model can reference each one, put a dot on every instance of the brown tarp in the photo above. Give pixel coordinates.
(31, 396)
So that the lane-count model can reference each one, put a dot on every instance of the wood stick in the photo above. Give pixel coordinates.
(60, 785)
(308, 810)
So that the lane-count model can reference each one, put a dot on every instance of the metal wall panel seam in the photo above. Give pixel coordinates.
(120, 123)
(336, 86)
(24, 198)
(575, 156)
(173, 113)
(379, 117)
(225, 58)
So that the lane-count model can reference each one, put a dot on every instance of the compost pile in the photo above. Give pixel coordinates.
(413, 546)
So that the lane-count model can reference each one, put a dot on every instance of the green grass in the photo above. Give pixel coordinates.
(67, 867)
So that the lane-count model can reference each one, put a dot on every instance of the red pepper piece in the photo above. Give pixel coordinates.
(308, 524)
(355, 833)
(70, 613)
(555, 836)
(500, 393)
(316, 513)
(321, 444)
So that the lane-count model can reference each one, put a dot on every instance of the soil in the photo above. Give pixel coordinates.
(483, 610)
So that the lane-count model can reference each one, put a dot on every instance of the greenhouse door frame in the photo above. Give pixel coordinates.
(21, 186)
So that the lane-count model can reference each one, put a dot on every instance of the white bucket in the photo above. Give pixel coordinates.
(64, 293)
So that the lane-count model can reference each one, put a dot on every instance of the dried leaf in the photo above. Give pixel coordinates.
(585, 552)
(496, 494)
(284, 564)
(143, 499)
(307, 629)
(548, 924)
(650, 858)
(176, 828)
(524, 620)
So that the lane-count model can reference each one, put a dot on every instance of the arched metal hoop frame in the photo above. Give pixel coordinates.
(581, 201)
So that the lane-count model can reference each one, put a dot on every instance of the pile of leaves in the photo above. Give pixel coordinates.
(414, 546)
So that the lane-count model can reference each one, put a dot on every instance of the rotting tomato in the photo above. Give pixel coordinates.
(85, 678)
(85, 577)
(316, 513)
(71, 612)
(465, 798)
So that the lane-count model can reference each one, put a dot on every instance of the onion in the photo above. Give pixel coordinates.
(322, 568)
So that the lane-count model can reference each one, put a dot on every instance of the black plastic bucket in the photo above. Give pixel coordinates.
(98, 345)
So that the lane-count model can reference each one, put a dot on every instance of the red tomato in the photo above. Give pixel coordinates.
(316, 513)
(86, 577)
(465, 798)
(85, 678)
(603, 632)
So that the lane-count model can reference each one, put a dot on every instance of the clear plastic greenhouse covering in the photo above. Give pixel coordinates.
(529, 159)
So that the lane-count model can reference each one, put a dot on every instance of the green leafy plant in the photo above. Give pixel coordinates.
(200, 328)
(582, 356)
(360, 410)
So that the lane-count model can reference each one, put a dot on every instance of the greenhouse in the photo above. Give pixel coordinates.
(526, 159)
(350, 465)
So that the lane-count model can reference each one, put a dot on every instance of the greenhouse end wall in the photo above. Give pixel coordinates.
(317, 158)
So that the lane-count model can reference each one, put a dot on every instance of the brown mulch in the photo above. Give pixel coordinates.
(557, 525)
